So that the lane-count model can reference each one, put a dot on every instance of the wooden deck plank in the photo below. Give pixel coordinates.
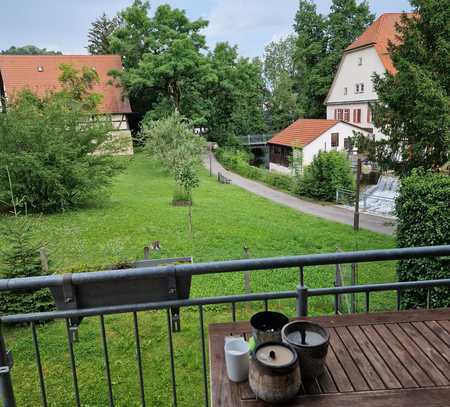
(431, 397)
(427, 347)
(390, 358)
(438, 330)
(326, 382)
(367, 370)
(383, 371)
(420, 377)
(432, 371)
(395, 351)
(337, 372)
(346, 361)
(351, 319)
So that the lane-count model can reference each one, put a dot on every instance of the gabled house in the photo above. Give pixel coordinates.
(311, 136)
(352, 91)
(40, 73)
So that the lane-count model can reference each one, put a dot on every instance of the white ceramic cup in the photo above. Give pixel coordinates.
(236, 359)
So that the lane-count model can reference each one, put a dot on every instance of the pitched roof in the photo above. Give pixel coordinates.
(21, 72)
(379, 34)
(302, 132)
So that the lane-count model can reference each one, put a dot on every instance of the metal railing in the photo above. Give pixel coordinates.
(301, 294)
(253, 139)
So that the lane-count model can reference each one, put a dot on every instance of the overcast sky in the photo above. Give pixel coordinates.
(63, 24)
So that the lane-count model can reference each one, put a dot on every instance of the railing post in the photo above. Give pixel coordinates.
(302, 301)
(6, 388)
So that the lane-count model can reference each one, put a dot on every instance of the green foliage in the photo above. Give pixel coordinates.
(29, 50)
(423, 210)
(320, 42)
(237, 161)
(328, 172)
(414, 104)
(279, 74)
(235, 97)
(174, 144)
(164, 59)
(19, 257)
(50, 146)
(99, 35)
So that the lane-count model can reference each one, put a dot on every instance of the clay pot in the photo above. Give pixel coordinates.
(311, 343)
(274, 373)
(267, 325)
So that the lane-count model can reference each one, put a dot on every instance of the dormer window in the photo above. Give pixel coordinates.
(360, 61)
(40, 68)
(359, 88)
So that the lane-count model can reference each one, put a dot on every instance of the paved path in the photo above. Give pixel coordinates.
(331, 212)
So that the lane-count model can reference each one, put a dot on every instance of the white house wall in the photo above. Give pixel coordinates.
(351, 73)
(323, 143)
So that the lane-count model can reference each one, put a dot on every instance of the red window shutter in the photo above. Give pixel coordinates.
(354, 115)
(335, 114)
(359, 115)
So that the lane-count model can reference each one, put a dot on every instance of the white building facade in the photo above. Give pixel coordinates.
(352, 91)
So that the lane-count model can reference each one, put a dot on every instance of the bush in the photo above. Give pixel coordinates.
(423, 210)
(237, 161)
(328, 172)
(21, 258)
(50, 147)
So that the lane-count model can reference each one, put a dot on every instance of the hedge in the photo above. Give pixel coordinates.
(237, 161)
(423, 210)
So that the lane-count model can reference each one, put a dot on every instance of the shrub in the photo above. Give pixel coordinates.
(237, 161)
(21, 258)
(49, 146)
(423, 210)
(328, 172)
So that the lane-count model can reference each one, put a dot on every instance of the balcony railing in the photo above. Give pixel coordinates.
(301, 295)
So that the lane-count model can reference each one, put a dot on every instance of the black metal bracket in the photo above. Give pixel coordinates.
(172, 290)
(70, 298)
(10, 362)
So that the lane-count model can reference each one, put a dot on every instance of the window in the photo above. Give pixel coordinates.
(40, 68)
(347, 143)
(338, 114)
(360, 61)
(359, 88)
(345, 91)
(334, 139)
(369, 115)
(346, 115)
(356, 115)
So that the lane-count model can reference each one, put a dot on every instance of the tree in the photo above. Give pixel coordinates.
(235, 97)
(279, 74)
(320, 43)
(29, 50)
(163, 58)
(413, 109)
(174, 144)
(50, 146)
(99, 35)
(311, 50)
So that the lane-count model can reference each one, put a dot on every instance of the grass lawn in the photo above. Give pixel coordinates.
(226, 219)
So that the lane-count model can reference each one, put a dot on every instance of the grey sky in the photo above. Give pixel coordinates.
(63, 24)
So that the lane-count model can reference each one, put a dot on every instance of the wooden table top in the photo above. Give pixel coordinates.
(377, 359)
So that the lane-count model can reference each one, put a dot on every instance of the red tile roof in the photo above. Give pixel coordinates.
(302, 132)
(21, 72)
(379, 34)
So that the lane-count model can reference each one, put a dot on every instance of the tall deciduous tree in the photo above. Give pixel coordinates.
(99, 36)
(414, 104)
(279, 73)
(235, 98)
(320, 43)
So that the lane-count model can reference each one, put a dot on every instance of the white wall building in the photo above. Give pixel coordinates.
(312, 136)
(352, 91)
